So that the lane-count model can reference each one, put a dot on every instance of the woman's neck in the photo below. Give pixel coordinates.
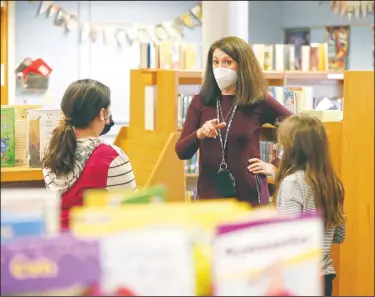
(229, 91)
(85, 133)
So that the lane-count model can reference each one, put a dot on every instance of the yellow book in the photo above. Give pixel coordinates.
(102, 197)
(198, 218)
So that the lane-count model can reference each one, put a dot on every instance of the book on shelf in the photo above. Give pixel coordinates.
(191, 195)
(168, 55)
(269, 151)
(8, 116)
(192, 165)
(40, 125)
(282, 57)
(183, 102)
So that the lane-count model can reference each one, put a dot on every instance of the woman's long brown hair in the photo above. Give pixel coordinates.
(304, 142)
(251, 83)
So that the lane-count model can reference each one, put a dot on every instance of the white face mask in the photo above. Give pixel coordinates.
(225, 77)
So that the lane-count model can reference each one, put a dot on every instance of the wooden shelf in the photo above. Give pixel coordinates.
(21, 174)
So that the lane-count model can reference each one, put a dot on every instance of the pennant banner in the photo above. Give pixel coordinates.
(350, 8)
(123, 34)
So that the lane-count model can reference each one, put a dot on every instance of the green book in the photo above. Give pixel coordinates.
(8, 118)
(153, 194)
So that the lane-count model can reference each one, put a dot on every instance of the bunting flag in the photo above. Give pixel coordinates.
(350, 8)
(172, 30)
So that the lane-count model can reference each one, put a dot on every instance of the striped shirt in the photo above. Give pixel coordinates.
(120, 172)
(296, 197)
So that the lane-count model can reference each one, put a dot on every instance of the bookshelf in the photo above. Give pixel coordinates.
(4, 53)
(356, 255)
(147, 148)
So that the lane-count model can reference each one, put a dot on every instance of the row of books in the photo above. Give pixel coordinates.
(302, 99)
(168, 55)
(183, 102)
(131, 244)
(191, 195)
(26, 131)
(269, 151)
(281, 57)
(192, 165)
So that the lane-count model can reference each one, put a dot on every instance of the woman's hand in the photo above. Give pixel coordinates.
(209, 129)
(259, 167)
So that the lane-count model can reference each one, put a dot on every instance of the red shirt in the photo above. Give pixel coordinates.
(243, 144)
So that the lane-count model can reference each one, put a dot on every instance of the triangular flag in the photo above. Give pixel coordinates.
(161, 33)
(364, 8)
(196, 11)
(109, 36)
(71, 21)
(187, 20)
(85, 32)
(131, 34)
(143, 36)
(370, 6)
(120, 37)
(357, 9)
(343, 7)
(44, 5)
(53, 9)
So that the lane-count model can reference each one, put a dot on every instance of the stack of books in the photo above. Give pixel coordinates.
(154, 247)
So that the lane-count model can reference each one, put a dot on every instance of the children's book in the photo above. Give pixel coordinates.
(8, 137)
(277, 256)
(40, 124)
(12, 228)
(63, 263)
(148, 262)
(102, 197)
(21, 204)
(198, 218)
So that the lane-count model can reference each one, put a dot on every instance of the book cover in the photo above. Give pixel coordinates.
(149, 262)
(290, 100)
(38, 133)
(165, 55)
(12, 228)
(8, 137)
(38, 264)
(259, 53)
(277, 256)
(279, 57)
(33, 203)
(305, 58)
(49, 120)
(102, 197)
(268, 57)
(314, 57)
(190, 56)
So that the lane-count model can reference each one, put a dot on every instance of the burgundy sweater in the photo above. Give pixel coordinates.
(243, 144)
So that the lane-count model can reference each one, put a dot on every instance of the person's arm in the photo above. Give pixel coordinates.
(289, 198)
(188, 143)
(272, 109)
(120, 173)
(340, 234)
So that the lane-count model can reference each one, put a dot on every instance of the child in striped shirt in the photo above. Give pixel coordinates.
(76, 159)
(306, 182)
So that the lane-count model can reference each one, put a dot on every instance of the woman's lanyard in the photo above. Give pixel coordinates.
(223, 164)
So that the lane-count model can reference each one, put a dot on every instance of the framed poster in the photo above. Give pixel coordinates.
(337, 38)
(298, 37)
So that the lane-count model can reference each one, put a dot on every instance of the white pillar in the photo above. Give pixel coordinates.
(221, 19)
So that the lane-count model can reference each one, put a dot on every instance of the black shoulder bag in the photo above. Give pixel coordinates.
(223, 179)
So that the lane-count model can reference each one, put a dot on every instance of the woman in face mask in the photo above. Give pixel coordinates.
(224, 120)
(76, 158)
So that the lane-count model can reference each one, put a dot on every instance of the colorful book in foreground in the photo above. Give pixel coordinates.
(36, 204)
(102, 197)
(268, 257)
(149, 262)
(39, 265)
(8, 118)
